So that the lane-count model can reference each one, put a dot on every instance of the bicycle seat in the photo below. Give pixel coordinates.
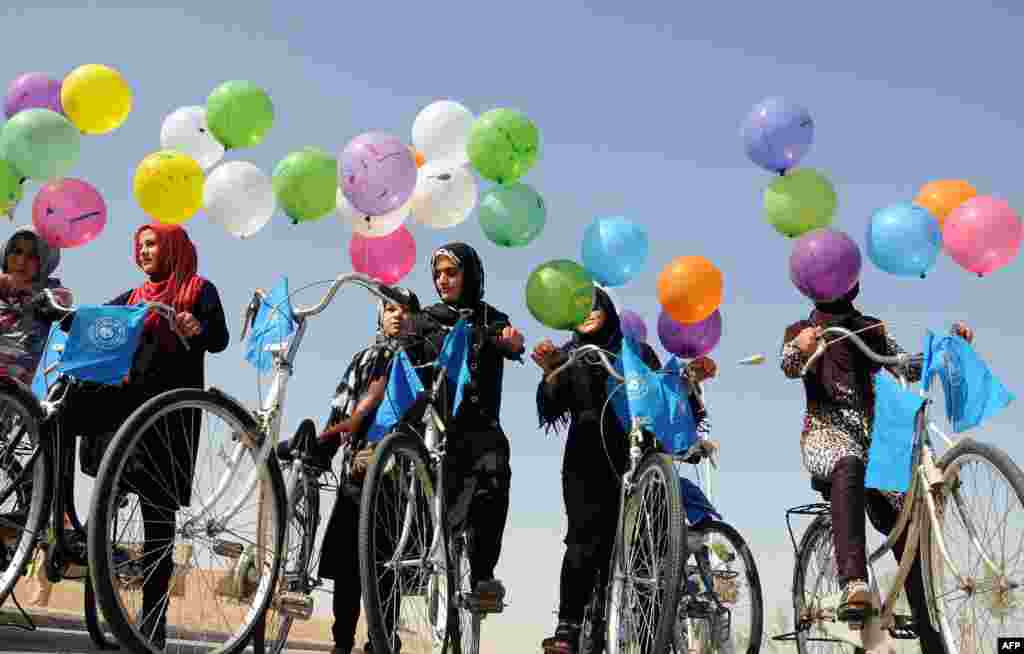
(822, 486)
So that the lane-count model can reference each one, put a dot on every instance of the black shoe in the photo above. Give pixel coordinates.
(565, 641)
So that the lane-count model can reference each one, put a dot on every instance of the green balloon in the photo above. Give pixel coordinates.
(503, 145)
(40, 144)
(306, 184)
(800, 201)
(10, 188)
(560, 294)
(512, 216)
(239, 114)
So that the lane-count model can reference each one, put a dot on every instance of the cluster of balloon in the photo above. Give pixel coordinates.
(777, 134)
(689, 341)
(690, 291)
(41, 141)
(170, 184)
(446, 189)
(504, 144)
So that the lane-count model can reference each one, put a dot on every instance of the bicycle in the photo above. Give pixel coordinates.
(242, 564)
(39, 463)
(934, 504)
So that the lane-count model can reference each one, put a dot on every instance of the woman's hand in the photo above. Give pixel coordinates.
(545, 355)
(963, 331)
(63, 297)
(341, 432)
(807, 339)
(187, 324)
(511, 339)
(702, 368)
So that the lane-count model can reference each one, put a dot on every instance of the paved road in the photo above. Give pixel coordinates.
(65, 641)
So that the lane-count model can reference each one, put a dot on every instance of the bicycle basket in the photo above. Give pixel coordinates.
(102, 342)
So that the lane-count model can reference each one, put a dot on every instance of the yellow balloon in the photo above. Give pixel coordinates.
(96, 98)
(169, 186)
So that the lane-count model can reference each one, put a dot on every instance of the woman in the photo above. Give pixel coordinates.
(835, 442)
(168, 258)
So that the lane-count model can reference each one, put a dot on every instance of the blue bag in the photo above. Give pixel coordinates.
(404, 386)
(274, 324)
(890, 456)
(973, 393)
(51, 354)
(102, 342)
(455, 358)
(696, 503)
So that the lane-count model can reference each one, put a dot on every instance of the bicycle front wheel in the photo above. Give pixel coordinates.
(981, 518)
(403, 563)
(648, 559)
(469, 616)
(186, 524)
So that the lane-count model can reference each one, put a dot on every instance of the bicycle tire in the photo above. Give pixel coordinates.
(374, 490)
(932, 562)
(753, 580)
(92, 619)
(102, 511)
(653, 468)
(41, 494)
(468, 641)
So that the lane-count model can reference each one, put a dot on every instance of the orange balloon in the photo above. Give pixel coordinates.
(690, 289)
(942, 196)
(418, 156)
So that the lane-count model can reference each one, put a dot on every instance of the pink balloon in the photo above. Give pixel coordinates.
(387, 258)
(983, 234)
(68, 213)
(33, 90)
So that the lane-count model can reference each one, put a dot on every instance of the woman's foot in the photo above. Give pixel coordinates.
(565, 640)
(855, 602)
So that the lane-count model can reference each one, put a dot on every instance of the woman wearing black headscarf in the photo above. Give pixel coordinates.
(835, 441)
(478, 450)
(595, 458)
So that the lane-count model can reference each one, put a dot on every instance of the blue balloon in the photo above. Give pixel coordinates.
(904, 239)
(777, 134)
(614, 250)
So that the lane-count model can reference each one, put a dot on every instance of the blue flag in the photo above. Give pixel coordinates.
(455, 358)
(404, 386)
(660, 400)
(973, 393)
(697, 505)
(51, 355)
(274, 323)
(892, 438)
(102, 342)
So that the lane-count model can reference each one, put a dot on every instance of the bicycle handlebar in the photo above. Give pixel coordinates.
(900, 360)
(580, 351)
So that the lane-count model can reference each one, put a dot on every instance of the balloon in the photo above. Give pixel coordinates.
(799, 201)
(239, 114)
(33, 91)
(560, 294)
(445, 194)
(185, 130)
(824, 264)
(240, 197)
(614, 250)
(418, 156)
(512, 216)
(941, 197)
(503, 145)
(306, 184)
(10, 189)
(983, 234)
(690, 289)
(370, 226)
(441, 132)
(68, 213)
(777, 134)
(904, 239)
(96, 98)
(40, 144)
(690, 341)
(168, 186)
(633, 325)
(377, 173)
(387, 259)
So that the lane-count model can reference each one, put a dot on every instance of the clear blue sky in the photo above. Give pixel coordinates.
(639, 109)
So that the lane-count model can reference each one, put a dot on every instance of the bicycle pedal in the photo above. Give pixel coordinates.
(904, 628)
(228, 549)
(295, 605)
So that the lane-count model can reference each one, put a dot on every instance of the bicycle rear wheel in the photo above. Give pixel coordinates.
(186, 554)
(406, 579)
(981, 516)
(648, 560)
(469, 617)
(26, 485)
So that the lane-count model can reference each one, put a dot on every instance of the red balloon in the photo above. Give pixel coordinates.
(387, 259)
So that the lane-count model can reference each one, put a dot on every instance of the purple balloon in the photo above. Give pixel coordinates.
(690, 341)
(377, 172)
(825, 264)
(777, 134)
(633, 325)
(33, 91)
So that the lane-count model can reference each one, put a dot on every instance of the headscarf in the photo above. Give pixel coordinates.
(609, 336)
(48, 257)
(472, 296)
(392, 343)
(181, 285)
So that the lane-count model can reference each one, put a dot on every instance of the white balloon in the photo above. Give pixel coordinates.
(371, 226)
(441, 132)
(445, 194)
(185, 130)
(240, 197)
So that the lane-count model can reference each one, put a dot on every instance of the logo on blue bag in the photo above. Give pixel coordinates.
(636, 387)
(108, 333)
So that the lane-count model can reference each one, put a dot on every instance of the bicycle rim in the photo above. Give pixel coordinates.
(211, 572)
(981, 518)
(816, 578)
(469, 619)
(648, 560)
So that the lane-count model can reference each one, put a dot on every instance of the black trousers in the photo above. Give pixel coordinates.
(850, 500)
